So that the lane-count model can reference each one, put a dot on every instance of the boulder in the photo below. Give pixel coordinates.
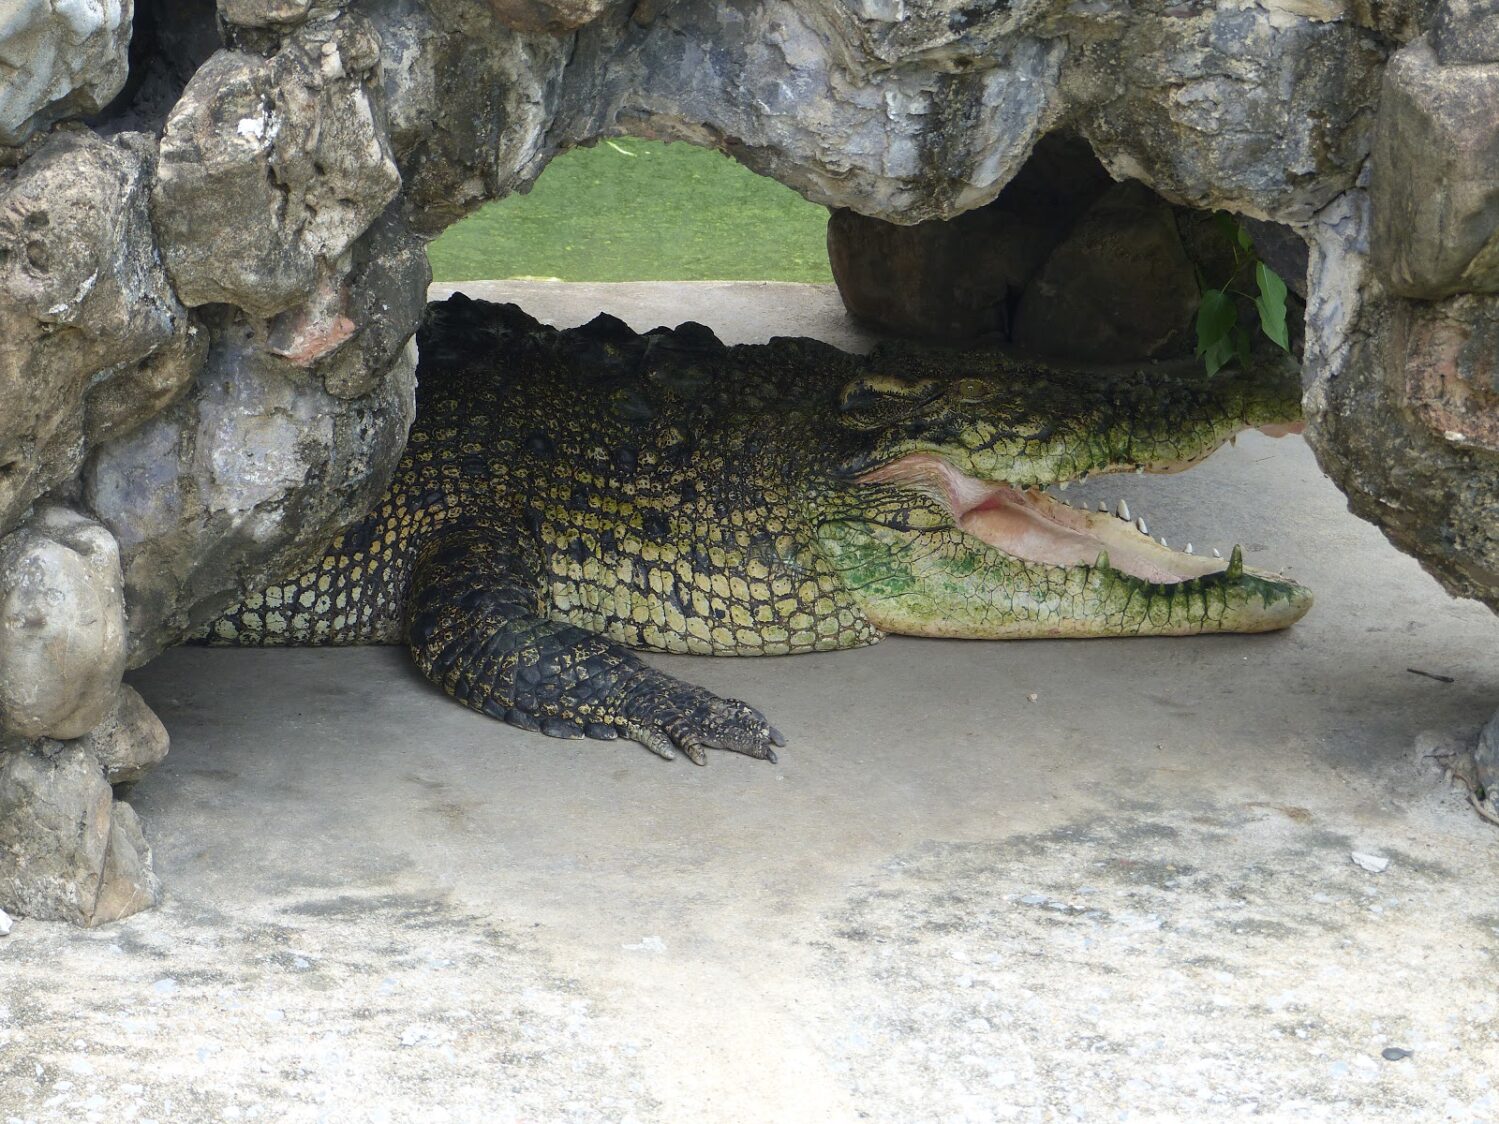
(1120, 287)
(59, 60)
(1486, 761)
(274, 13)
(1403, 407)
(271, 168)
(1466, 31)
(68, 850)
(553, 16)
(959, 278)
(470, 106)
(62, 625)
(129, 742)
(85, 311)
(1264, 110)
(1435, 182)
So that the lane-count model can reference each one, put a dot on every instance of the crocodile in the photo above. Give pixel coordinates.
(566, 496)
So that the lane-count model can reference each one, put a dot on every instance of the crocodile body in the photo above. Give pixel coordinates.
(567, 496)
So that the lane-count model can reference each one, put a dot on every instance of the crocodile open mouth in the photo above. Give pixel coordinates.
(1029, 524)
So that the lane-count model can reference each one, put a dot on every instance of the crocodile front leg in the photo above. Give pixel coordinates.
(476, 626)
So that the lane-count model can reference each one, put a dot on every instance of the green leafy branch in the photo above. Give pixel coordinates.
(1220, 336)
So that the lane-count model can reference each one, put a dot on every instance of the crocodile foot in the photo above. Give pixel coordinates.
(671, 715)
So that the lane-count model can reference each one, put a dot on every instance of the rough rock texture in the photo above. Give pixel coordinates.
(1263, 110)
(1404, 414)
(1436, 177)
(273, 13)
(62, 625)
(469, 105)
(293, 148)
(84, 304)
(1404, 401)
(59, 58)
(209, 284)
(130, 741)
(68, 850)
(1466, 31)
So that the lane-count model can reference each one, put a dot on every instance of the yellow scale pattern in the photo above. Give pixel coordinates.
(663, 522)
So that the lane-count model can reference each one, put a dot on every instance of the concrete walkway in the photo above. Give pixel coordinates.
(1097, 880)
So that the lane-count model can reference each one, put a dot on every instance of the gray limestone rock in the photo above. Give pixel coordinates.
(916, 119)
(1435, 185)
(554, 16)
(246, 478)
(59, 59)
(1466, 31)
(1264, 110)
(62, 625)
(386, 299)
(130, 741)
(273, 13)
(83, 303)
(68, 850)
(271, 168)
(1403, 410)
(469, 103)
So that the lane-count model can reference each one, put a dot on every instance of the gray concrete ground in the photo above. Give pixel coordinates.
(1098, 880)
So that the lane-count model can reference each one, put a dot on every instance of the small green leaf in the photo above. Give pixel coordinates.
(1241, 346)
(1272, 305)
(1217, 356)
(1216, 317)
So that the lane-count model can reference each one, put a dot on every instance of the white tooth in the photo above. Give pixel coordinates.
(1062, 485)
(1216, 554)
(1123, 510)
(1103, 506)
(1141, 527)
(1140, 470)
(1190, 550)
(1162, 541)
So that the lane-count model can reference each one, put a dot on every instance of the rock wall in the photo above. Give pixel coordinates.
(212, 220)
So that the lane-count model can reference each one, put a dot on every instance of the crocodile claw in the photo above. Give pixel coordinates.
(693, 720)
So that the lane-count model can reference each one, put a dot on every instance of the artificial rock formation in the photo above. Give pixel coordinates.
(212, 220)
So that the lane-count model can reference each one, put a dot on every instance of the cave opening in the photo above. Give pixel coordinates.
(632, 209)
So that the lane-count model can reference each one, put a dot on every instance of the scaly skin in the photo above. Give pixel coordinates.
(565, 496)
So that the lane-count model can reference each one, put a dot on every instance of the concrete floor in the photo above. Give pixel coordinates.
(1099, 880)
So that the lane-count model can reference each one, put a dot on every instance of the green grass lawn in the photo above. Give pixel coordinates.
(637, 210)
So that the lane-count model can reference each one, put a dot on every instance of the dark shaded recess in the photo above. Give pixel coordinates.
(1064, 263)
(169, 41)
(962, 277)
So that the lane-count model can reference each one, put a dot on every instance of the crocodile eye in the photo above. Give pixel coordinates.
(970, 390)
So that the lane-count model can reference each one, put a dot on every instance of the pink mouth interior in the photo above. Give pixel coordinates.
(1032, 526)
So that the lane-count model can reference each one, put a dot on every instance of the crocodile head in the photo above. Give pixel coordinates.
(942, 525)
